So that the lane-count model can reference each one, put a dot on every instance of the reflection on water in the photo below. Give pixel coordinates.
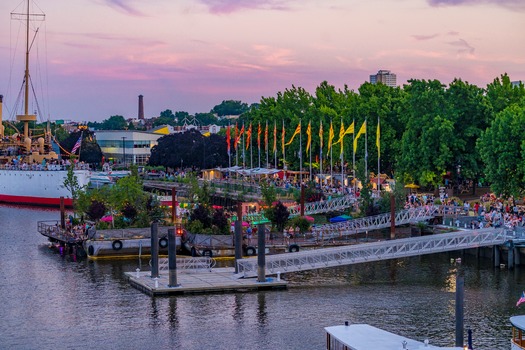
(51, 301)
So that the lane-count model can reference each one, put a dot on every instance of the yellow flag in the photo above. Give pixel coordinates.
(295, 133)
(349, 130)
(321, 136)
(330, 136)
(378, 138)
(309, 134)
(341, 135)
(361, 131)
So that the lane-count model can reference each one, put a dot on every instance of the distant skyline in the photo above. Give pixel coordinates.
(190, 55)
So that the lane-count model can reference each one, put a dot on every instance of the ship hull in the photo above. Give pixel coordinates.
(40, 188)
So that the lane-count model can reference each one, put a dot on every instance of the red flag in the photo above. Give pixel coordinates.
(228, 139)
(266, 137)
(238, 137)
(249, 136)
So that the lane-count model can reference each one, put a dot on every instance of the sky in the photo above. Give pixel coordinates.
(92, 58)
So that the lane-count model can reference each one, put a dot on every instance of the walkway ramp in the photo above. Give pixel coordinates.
(366, 252)
(376, 222)
(337, 204)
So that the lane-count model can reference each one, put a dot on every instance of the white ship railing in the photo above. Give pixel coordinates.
(366, 252)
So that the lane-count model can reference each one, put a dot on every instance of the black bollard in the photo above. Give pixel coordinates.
(469, 339)
(154, 250)
(261, 256)
(172, 257)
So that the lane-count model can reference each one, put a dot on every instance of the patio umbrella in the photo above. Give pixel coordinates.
(411, 186)
(107, 218)
(309, 218)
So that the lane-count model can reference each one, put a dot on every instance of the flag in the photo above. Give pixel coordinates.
(361, 131)
(282, 138)
(266, 137)
(228, 140)
(378, 138)
(249, 136)
(259, 136)
(521, 300)
(274, 136)
(321, 136)
(238, 134)
(349, 130)
(309, 139)
(77, 145)
(330, 136)
(295, 133)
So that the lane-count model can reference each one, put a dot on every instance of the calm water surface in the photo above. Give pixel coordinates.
(53, 302)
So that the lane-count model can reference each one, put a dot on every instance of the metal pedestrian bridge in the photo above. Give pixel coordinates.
(376, 222)
(367, 252)
(337, 204)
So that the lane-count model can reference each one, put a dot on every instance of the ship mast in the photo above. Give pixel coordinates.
(26, 117)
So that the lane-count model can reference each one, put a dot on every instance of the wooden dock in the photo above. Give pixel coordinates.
(216, 280)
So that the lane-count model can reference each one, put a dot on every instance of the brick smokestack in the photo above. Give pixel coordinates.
(141, 107)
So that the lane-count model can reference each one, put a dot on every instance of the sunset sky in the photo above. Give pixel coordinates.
(189, 55)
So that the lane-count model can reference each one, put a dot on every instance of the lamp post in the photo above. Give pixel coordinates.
(124, 149)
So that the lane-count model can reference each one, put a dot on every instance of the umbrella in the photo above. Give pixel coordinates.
(309, 218)
(107, 218)
(340, 218)
(244, 224)
(411, 186)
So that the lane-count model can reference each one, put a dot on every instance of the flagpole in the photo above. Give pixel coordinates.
(378, 156)
(310, 138)
(353, 159)
(229, 148)
(284, 154)
(243, 148)
(331, 158)
(321, 148)
(300, 153)
(235, 147)
(342, 162)
(366, 151)
(275, 143)
(266, 142)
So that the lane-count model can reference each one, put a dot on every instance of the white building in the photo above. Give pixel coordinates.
(384, 76)
(133, 146)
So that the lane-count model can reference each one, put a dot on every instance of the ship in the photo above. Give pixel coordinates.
(30, 171)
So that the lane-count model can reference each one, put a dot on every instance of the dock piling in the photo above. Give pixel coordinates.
(154, 250)
(261, 253)
(460, 286)
(238, 236)
(172, 258)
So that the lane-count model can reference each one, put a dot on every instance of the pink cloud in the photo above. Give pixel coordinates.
(425, 37)
(124, 7)
(517, 5)
(230, 6)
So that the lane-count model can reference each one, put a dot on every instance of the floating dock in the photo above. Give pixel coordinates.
(216, 280)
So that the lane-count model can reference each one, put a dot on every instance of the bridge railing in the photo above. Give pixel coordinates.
(193, 264)
(338, 256)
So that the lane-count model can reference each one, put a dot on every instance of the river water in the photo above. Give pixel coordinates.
(49, 301)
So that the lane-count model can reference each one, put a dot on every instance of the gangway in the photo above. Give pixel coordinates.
(337, 204)
(367, 252)
(376, 222)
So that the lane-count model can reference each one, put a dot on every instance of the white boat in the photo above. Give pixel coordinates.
(518, 332)
(29, 169)
(366, 337)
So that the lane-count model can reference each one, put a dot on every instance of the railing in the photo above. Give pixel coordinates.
(189, 264)
(369, 223)
(326, 206)
(400, 248)
(52, 229)
(40, 167)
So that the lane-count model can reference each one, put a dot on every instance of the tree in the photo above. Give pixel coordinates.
(115, 122)
(230, 107)
(166, 118)
(190, 149)
(503, 152)
(278, 214)
(71, 182)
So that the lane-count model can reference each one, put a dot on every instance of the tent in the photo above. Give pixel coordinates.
(340, 218)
